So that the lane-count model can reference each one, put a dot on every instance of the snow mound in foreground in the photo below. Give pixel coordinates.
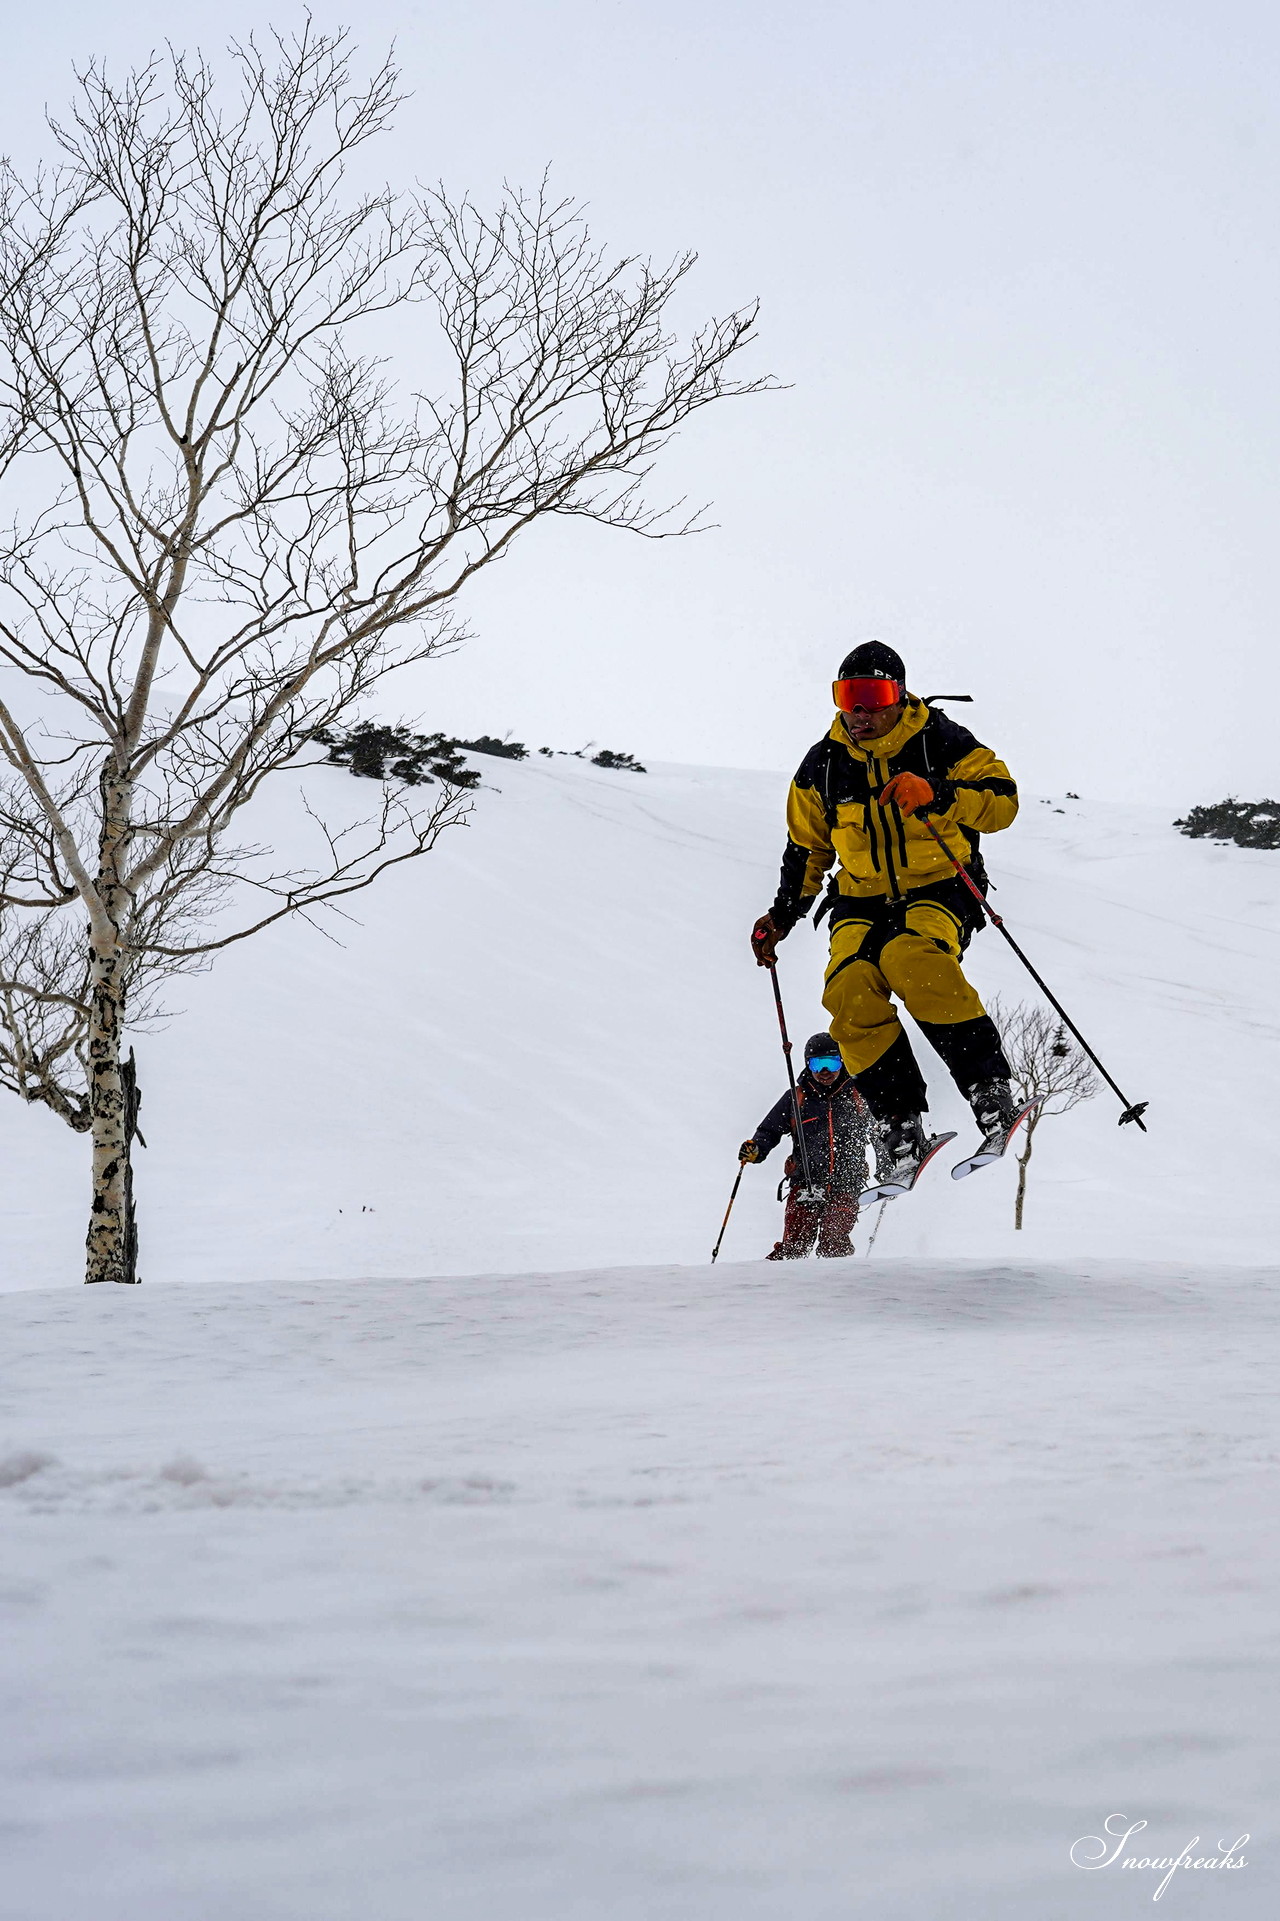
(737, 1594)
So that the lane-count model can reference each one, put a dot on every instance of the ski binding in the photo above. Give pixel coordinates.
(988, 1155)
(890, 1190)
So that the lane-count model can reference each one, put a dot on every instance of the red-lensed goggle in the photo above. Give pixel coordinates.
(849, 694)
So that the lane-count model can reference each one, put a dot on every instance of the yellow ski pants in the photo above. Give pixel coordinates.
(920, 965)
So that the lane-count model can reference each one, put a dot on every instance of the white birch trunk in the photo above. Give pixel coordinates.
(105, 1245)
(1023, 1160)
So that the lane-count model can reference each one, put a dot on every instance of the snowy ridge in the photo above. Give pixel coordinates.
(550, 1039)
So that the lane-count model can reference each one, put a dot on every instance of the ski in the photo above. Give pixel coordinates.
(989, 1153)
(890, 1190)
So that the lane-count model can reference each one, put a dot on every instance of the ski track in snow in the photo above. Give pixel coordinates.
(590, 1585)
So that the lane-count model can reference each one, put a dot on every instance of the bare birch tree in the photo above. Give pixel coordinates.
(222, 526)
(1047, 1063)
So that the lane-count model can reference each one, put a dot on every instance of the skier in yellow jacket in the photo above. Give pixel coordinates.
(901, 917)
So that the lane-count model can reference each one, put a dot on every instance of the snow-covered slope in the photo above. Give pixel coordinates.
(541, 1045)
(609, 1584)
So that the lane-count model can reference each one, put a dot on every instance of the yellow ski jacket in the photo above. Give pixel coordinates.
(834, 812)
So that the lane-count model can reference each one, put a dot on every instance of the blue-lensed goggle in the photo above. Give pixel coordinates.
(825, 1064)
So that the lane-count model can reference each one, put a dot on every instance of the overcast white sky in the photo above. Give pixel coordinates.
(1018, 261)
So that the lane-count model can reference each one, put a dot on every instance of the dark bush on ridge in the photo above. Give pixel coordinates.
(504, 749)
(397, 753)
(1249, 823)
(394, 753)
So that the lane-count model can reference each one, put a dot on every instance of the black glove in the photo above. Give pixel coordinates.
(765, 936)
(749, 1152)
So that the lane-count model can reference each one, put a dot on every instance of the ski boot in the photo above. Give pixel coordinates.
(907, 1152)
(998, 1116)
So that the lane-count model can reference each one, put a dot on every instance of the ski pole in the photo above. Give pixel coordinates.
(1133, 1110)
(742, 1168)
(876, 1229)
(801, 1148)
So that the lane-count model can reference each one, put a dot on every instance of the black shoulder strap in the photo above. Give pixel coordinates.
(817, 771)
(828, 803)
(944, 742)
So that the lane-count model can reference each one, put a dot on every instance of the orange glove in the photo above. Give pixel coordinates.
(765, 936)
(907, 792)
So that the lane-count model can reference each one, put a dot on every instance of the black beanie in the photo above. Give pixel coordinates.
(871, 659)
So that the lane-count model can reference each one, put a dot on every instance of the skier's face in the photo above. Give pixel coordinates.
(872, 723)
(826, 1077)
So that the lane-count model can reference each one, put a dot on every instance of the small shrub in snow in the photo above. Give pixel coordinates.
(605, 758)
(504, 749)
(394, 753)
(1249, 823)
(1047, 1065)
